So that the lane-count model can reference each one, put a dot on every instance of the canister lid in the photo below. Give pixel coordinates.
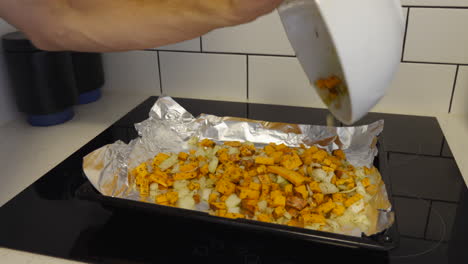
(17, 42)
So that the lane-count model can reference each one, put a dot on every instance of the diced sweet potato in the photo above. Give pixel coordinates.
(265, 192)
(372, 189)
(193, 186)
(338, 197)
(296, 202)
(249, 205)
(207, 143)
(247, 150)
(292, 176)
(269, 149)
(225, 187)
(255, 186)
(159, 159)
(265, 160)
(302, 190)
(212, 198)
(233, 144)
(279, 212)
(315, 187)
(339, 154)
(338, 210)
(319, 156)
(183, 156)
(262, 169)
(185, 175)
(196, 198)
(278, 201)
(293, 212)
(296, 223)
(313, 218)
(291, 162)
(218, 206)
(288, 189)
(264, 218)
(365, 182)
(277, 155)
(318, 197)
(234, 215)
(353, 199)
(325, 208)
(264, 179)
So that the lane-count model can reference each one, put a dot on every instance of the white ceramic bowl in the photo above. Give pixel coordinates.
(359, 41)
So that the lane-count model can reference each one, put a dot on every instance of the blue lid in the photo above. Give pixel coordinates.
(89, 97)
(51, 119)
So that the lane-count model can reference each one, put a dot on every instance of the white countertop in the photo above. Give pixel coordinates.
(32, 151)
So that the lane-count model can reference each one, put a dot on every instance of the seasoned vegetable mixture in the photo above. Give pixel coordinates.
(330, 89)
(303, 187)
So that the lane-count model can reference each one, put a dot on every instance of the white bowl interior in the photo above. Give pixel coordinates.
(358, 41)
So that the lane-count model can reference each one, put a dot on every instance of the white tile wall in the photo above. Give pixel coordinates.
(460, 98)
(216, 67)
(263, 36)
(211, 76)
(278, 80)
(422, 89)
(7, 107)
(134, 71)
(189, 45)
(435, 2)
(405, 14)
(437, 35)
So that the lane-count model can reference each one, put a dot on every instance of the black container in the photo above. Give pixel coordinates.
(383, 241)
(89, 76)
(43, 82)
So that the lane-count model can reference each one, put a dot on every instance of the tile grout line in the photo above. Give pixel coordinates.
(453, 89)
(406, 33)
(201, 44)
(436, 7)
(160, 75)
(436, 63)
(247, 64)
(226, 53)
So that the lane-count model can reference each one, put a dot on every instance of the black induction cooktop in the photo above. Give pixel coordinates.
(429, 194)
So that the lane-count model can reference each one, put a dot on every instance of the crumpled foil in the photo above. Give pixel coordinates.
(170, 127)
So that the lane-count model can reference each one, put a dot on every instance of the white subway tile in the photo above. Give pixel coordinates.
(405, 14)
(437, 35)
(133, 71)
(8, 110)
(435, 2)
(280, 80)
(189, 45)
(460, 97)
(265, 35)
(206, 76)
(421, 89)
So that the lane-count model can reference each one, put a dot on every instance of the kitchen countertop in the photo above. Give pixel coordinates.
(26, 143)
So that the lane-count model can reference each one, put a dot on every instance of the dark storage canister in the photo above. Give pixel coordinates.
(89, 76)
(43, 82)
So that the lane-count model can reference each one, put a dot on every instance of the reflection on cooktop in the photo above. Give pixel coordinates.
(429, 196)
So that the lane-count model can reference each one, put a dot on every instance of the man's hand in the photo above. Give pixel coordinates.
(118, 25)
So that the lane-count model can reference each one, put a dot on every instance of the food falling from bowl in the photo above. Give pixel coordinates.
(333, 92)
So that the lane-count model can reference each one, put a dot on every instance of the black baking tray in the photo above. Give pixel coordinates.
(383, 241)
